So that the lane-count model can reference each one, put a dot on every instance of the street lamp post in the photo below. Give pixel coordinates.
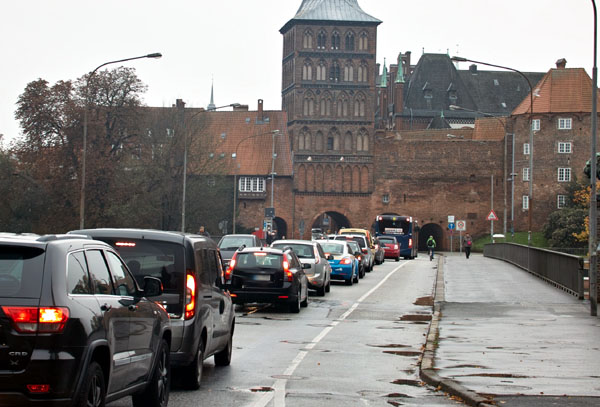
(85, 126)
(593, 217)
(234, 156)
(530, 198)
(185, 154)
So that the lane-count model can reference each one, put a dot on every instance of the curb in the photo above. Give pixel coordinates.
(427, 371)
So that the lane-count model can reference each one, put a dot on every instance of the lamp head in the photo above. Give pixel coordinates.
(154, 55)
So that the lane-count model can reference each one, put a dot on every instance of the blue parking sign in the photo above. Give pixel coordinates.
(451, 226)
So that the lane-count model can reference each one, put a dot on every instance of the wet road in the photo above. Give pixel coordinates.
(358, 346)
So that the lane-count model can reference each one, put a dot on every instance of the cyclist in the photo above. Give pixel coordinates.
(431, 247)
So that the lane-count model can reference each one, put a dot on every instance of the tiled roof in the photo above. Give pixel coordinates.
(560, 91)
(243, 133)
(331, 10)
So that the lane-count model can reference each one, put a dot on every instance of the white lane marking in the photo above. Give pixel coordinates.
(278, 393)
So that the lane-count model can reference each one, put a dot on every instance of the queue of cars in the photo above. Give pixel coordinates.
(98, 314)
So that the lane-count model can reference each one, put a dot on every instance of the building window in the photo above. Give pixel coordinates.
(334, 72)
(307, 41)
(350, 41)
(535, 124)
(386, 198)
(335, 40)
(526, 174)
(525, 201)
(363, 42)
(561, 201)
(564, 123)
(252, 184)
(526, 148)
(362, 72)
(564, 147)
(348, 72)
(321, 71)
(321, 40)
(307, 71)
(564, 174)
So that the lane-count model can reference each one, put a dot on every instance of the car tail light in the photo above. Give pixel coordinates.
(396, 247)
(125, 244)
(37, 319)
(230, 267)
(38, 388)
(359, 258)
(365, 250)
(190, 295)
(346, 260)
(286, 269)
(410, 242)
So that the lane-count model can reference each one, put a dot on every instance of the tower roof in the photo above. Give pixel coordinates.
(331, 10)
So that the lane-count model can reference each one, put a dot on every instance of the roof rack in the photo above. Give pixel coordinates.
(50, 238)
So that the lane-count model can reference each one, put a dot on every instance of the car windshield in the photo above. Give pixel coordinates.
(333, 248)
(358, 239)
(21, 270)
(354, 246)
(258, 260)
(234, 242)
(303, 251)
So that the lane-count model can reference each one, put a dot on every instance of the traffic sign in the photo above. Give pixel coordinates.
(492, 215)
(450, 218)
(451, 226)
(461, 225)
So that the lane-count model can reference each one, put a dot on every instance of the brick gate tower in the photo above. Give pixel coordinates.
(329, 95)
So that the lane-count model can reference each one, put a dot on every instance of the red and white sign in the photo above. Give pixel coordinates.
(492, 215)
(461, 225)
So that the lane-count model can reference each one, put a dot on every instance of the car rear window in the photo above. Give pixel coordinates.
(333, 248)
(145, 257)
(234, 242)
(21, 270)
(360, 240)
(258, 260)
(303, 251)
(387, 240)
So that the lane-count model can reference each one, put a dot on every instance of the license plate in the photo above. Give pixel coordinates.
(262, 277)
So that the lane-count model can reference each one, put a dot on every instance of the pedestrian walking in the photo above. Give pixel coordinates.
(203, 232)
(431, 246)
(467, 243)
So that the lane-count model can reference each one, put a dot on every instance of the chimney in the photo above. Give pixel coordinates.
(260, 110)
(179, 103)
(561, 63)
(473, 69)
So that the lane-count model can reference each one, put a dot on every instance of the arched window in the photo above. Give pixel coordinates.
(309, 105)
(307, 70)
(364, 137)
(321, 39)
(333, 140)
(334, 72)
(359, 105)
(307, 40)
(321, 71)
(342, 106)
(363, 42)
(319, 142)
(304, 140)
(348, 142)
(348, 72)
(326, 105)
(363, 72)
(349, 41)
(335, 40)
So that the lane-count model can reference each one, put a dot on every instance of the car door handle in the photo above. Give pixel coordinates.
(133, 307)
(105, 307)
(207, 296)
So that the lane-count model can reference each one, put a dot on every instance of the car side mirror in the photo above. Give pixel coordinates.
(152, 286)
(330, 257)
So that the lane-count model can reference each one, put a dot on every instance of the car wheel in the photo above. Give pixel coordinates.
(223, 358)
(350, 281)
(356, 278)
(93, 391)
(192, 373)
(321, 290)
(304, 303)
(295, 306)
(328, 287)
(398, 258)
(156, 393)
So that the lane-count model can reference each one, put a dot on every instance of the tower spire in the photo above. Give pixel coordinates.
(211, 105)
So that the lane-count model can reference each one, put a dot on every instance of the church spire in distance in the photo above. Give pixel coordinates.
(211, 105)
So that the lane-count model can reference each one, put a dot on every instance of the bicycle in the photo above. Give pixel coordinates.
(430, 249)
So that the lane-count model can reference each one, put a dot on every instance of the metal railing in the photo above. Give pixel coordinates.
(564, 271)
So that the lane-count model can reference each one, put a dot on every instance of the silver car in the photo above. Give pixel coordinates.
(314, 262)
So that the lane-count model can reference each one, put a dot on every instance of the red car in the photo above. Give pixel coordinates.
(391, 247)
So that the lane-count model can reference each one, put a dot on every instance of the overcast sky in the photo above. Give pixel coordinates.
(237, 44)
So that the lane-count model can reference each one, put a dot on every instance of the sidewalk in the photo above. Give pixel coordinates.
(508, 338)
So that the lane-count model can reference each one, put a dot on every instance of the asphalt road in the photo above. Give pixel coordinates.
(357, 346)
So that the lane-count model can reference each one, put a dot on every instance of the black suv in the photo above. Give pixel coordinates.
(200, 308)
(75, 328)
